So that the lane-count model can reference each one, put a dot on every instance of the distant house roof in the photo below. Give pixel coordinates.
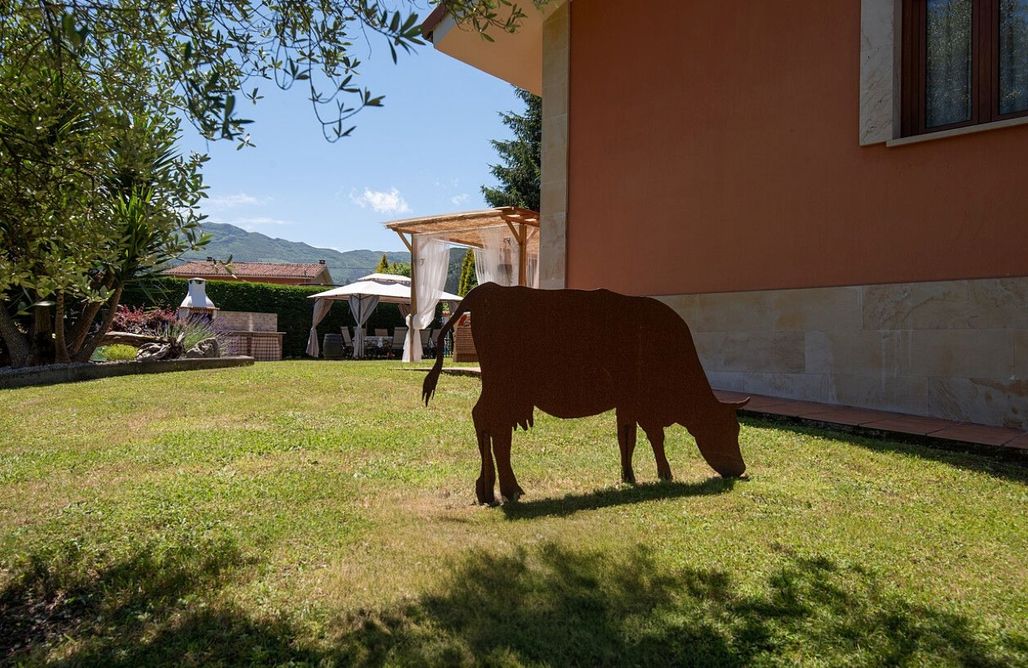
(307, 272)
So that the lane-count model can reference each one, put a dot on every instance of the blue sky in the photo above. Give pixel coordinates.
(426, 151)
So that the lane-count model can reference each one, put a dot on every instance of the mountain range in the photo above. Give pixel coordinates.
(345, 266)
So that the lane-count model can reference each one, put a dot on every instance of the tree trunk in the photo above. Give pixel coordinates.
(85, 321)
(41, 341)
(81, 329)
(17, 343)
(87, 349)
(60, 346)
(129, 339)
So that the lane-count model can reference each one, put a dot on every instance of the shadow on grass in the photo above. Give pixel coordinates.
(545, 605)
(1003, 465)
(65, 595)
(604, 498)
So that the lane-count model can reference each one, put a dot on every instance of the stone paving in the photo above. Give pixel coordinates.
(867, 422)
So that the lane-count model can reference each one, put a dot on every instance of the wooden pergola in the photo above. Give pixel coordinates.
(465, 229)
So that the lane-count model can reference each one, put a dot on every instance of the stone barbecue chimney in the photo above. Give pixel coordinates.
(197, 303)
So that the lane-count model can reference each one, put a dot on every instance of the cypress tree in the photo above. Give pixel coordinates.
(468, 280)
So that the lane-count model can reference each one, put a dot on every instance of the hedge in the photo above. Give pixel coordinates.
(290, 302)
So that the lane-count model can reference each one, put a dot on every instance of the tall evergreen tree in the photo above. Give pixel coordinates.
(468, 280)
(383, 265)
(519, 173)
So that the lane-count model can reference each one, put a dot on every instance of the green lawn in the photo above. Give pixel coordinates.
(315, 513)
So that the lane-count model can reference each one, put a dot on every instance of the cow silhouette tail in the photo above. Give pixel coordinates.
(432, 379)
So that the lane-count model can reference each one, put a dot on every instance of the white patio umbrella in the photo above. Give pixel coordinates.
(363, 296)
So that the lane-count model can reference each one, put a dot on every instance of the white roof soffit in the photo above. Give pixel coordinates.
(516, 58)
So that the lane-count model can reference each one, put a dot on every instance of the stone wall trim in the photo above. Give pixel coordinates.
(73, 373)
(956, 350)
(554, 187)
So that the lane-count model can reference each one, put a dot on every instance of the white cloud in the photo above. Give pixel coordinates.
(460, 199)
(381, 201)
(231, 201)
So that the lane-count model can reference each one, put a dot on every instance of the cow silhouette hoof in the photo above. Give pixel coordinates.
(628, 479)
(485, 493)
(513, 495)
(665, 476)
(485, 498)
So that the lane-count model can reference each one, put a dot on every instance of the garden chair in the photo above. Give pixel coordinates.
(425, 343)
(399, 334)
(347, 340)
(381, 332)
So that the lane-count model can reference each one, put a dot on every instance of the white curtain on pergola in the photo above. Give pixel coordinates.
(498, 258)
(432, 259)
(532, 265)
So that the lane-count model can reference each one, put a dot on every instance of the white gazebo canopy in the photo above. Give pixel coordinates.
(385, 278)
(363, 296)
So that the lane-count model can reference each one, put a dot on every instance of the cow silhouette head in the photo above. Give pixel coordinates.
(717, 437)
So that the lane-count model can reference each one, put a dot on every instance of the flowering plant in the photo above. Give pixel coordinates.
(143, 321)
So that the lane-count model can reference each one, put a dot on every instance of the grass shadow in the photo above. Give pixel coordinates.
(64, 594)
(555, 606)
(545, 605)
(616, 496)
(1004, 465)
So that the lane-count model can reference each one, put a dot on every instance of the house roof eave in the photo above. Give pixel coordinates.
(516, 58)
(433, 20)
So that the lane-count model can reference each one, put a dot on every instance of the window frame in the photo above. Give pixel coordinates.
(985, 41)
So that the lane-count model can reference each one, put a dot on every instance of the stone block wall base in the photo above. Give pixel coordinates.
(956, 350)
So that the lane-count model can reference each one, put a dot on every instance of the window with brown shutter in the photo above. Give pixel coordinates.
(965, 62)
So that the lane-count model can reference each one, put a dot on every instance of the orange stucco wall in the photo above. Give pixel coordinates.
(714, 147)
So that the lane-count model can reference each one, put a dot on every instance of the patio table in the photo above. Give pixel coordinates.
(379, 344)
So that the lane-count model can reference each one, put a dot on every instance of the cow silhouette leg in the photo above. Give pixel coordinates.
(655, 434)
(509, 488)
(626, 443)
(484, 486)
(486, 483)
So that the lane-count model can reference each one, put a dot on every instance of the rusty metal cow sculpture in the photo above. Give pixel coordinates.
(575, 353)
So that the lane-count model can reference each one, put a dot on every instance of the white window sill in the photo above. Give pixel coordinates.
(957, 132)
